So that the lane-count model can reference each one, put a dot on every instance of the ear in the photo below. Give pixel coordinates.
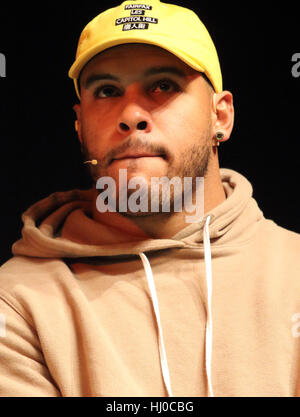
(77, 109)
(223, 117)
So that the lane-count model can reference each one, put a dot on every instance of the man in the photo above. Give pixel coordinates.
(118, 291)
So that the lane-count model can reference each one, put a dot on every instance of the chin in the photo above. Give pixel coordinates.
(139, 214)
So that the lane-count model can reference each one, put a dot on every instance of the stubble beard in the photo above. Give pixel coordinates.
(192, 163)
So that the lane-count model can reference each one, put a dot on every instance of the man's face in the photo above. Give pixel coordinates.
(144, 110)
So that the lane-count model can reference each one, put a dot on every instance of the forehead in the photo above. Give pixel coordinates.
(134, 56)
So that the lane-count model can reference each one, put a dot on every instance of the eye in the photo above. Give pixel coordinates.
(166, 86)
(106, 91)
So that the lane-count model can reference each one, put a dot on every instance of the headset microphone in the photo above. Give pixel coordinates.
(93, 162)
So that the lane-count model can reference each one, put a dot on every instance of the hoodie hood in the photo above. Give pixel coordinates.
(55, 226)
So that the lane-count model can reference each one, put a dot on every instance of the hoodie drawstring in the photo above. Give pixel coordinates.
(162, 350)
(209, 324)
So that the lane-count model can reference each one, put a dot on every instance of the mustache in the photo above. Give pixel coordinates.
(137, 144)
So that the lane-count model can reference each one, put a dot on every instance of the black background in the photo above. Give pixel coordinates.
(40, 152)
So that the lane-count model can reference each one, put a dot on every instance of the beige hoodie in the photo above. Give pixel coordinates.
(213, 311)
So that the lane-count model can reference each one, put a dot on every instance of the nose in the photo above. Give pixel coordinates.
(142, 125)
(134, 118)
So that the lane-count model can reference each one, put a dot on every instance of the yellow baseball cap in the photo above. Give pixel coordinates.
(171, 27)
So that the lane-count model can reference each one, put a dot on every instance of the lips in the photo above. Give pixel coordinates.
(137, 155)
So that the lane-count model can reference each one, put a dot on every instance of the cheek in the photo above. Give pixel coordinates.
(97, 125)
(184, 120)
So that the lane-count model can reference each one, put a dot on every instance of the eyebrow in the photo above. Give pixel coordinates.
(151, 71)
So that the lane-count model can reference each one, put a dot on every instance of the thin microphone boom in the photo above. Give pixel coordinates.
(93, 162)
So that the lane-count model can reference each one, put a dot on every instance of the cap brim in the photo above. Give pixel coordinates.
(83, 59)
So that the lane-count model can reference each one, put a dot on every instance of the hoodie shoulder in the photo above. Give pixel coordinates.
(284, 245)
(287, 237)
(26, 278)
(25, 269)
